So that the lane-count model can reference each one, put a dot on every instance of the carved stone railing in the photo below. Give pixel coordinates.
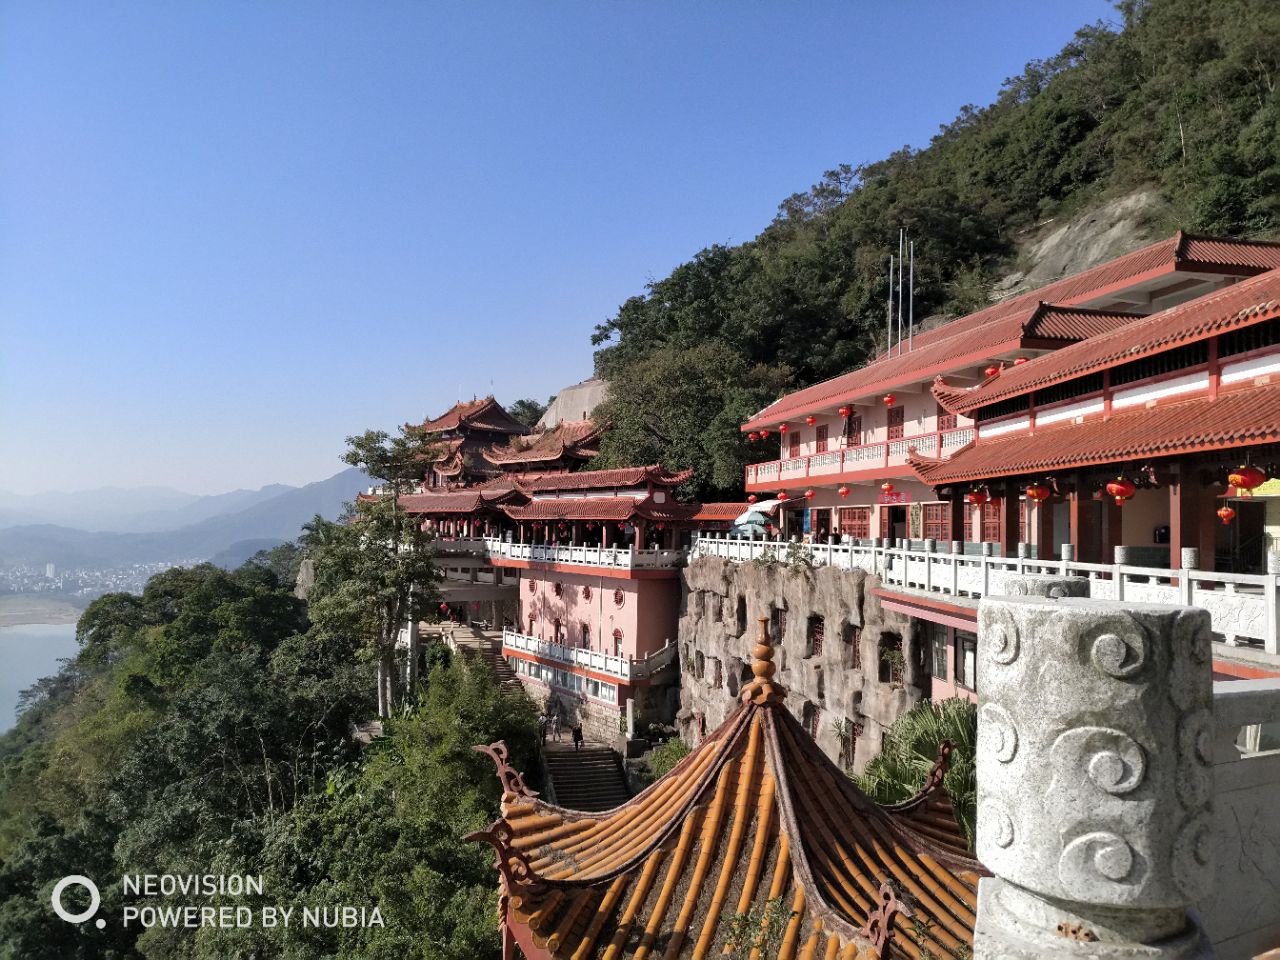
(1095, 777)
(1242, 605)
(624, 558)
(622, 668)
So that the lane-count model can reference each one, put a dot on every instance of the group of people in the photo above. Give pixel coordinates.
(552, 718)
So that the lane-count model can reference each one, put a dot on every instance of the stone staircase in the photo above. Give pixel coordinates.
(586, 779)
(473, 643)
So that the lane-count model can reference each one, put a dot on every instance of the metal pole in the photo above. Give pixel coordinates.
(900, 252)
(911, 298)
(888, 339)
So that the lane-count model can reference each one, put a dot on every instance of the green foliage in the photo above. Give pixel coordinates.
(204, 727)
(667, 756)
(758, 929)
(1173, 100)
(529, 411)
(911, 749)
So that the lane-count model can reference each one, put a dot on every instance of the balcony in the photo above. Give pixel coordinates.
(620, 668)
(864, 457)
(615, 558)
(1243, 606)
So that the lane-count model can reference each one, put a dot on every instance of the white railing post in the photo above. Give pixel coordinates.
(986, 568)
(1189, 559)
(1121, 555)
(1271, 596)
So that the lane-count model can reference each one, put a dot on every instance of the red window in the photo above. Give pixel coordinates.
(617, 635)
(820, 444)
(946, 421)
(856, 522)
(586, 593)
(793, 443)
(559, 589)
(853, 430)
(619, 598)
(897, 420)
(817, 634)
(991, 521)
(937, 522)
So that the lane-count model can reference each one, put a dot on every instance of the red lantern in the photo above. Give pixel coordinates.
(753, 435)
(662, 526)
(888, 399)
(1020, 361)
(979, 497)
(809, 494)
(887, 487)
(1037, 492)
(811, 420)
(591, 524)
(1245, 478)
(752, 498)
(1121, 488)
(622, 526)
(845, 411)
(842, 491)
(1226, 513)
(992, 370)
(783, 428)
(764, 434)
(782, 495)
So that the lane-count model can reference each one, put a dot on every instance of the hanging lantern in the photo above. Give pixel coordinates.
(1226, 513)
(809, 494)
(979, 497)
(888, 399)
(768, 527)
(764, 434)
(783, 428)
(1245, 477)
(1037, 492)
(811, 420)
(1020, 361)
(591, 524)
(845, 411)
(622, 526)
(887, 487)
(991, 371)
(753, 436)
(843, 491)
(662, 526)
(752, 498)
(782, 495)
(1121, 488)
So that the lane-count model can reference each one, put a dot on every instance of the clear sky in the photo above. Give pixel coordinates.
(233, 233)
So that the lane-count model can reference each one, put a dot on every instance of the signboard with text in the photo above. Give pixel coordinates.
(894, 498)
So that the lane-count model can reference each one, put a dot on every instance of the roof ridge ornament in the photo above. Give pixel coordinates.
(762, 690)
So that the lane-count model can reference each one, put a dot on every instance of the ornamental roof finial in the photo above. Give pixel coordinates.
(762, 689)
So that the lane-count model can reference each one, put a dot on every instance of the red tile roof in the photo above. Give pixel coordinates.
(1243, 417)
(486, 414)
(755, 815)
(721, 511)
(602, 479)
(600, 508)
(569, 438)
(974, 338)
(456, 501)
(1241, 304)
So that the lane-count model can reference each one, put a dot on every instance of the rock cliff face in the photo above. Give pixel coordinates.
(850, 668)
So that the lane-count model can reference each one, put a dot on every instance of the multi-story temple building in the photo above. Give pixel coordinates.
(1122, 423)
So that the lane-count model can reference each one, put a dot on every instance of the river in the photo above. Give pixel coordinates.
(28, 652)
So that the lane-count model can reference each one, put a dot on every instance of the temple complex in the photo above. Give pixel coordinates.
(464, 432)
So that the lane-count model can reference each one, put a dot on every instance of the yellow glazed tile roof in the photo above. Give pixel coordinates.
(755, 823)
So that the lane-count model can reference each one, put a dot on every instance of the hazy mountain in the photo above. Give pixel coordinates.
(103, 508)
(277, 518)
(132, 510)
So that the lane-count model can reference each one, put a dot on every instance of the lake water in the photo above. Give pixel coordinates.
(27, 653)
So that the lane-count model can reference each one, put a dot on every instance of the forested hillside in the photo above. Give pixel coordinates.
(1176, 95)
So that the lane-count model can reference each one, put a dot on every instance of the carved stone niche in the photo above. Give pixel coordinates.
(1094, 773)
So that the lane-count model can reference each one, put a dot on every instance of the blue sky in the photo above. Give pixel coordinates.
(233, 233)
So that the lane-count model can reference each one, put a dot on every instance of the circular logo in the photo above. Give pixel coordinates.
(94, 900)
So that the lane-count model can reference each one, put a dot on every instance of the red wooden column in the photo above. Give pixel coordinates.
(1191, 517)
(957, 507)
(1083, 515)
(1009, 517)
(1043, 520)
(1112, 527)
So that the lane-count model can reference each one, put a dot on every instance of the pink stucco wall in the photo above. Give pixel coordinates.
(647, 615)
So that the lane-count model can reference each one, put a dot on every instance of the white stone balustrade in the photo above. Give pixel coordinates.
(1241, 605)
(623, 558)
(622, 668)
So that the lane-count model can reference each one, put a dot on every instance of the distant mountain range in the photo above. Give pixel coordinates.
(198, 528)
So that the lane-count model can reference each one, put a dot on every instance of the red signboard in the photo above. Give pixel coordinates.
(895, 498)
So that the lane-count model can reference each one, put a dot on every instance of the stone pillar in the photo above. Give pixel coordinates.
(1094, 770)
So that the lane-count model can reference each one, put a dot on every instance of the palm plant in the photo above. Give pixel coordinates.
(911, 749)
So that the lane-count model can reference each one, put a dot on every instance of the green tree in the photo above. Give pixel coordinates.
(911, 749)
(529, 411)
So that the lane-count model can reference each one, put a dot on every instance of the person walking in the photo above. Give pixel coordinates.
(577, 736)
(555, 727)
(542, 727)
